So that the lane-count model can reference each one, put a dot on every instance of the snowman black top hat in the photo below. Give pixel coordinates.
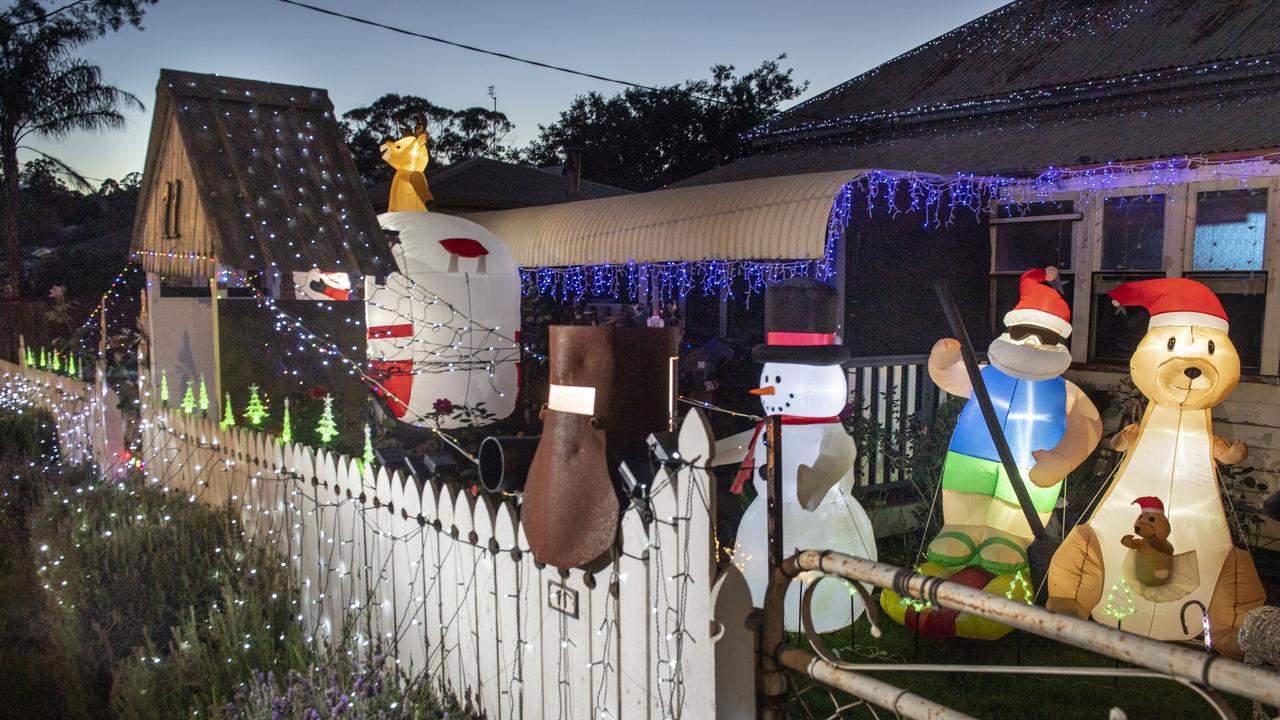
(800, 320)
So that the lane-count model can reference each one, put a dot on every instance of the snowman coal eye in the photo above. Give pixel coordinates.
(777, 378)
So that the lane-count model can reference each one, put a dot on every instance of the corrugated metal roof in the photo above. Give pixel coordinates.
(1028, 143)
(273, 173)
(1032, 49)
(782, 218)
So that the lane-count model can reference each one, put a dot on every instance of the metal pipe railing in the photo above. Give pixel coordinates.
(1180, 664)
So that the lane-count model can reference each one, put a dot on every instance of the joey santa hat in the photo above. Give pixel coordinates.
(1149, 503)
(1174, 302)
(1039, 304)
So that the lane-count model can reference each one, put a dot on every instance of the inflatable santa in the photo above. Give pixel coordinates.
(447, 326)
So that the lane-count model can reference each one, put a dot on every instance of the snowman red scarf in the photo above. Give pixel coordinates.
(748, 463)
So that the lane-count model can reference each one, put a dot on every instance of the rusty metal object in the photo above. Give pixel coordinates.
(571, 504)
(1205, 673)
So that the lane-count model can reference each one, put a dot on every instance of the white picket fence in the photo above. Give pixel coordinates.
(446, 581)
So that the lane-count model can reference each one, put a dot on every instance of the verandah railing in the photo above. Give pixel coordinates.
(889, 392)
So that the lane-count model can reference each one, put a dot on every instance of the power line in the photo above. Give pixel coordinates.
(472, 48)
(50, 14)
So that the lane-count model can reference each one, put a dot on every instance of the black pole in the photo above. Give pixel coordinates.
(988, 411)
(773, 488)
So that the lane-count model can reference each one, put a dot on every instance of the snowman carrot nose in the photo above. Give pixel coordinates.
(766, 390)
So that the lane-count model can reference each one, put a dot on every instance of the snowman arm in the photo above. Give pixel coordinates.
(1084, 430)
(946, 368)
(836, 454)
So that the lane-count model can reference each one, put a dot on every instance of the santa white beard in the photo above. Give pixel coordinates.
(1028, 361)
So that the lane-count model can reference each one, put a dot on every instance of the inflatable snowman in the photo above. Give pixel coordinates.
(803, 381)
(447, 326)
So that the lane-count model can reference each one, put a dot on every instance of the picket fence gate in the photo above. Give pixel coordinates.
(444, 580)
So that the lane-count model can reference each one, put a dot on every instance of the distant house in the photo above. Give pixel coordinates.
(245, 184)
(481, 184)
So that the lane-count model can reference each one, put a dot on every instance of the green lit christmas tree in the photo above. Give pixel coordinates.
(1019, 583)
(286, 426)
(188, 404)
(228, 415)
(57, 362)
(44, 359)
(71, 366)
(164, 388)
(30, 358)
(255, 412)
(1120, 601)
(366, 458)
(326, 428)
(203, 399)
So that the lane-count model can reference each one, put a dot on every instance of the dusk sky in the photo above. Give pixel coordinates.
(654, 43)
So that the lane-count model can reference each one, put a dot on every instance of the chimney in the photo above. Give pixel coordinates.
(573, 169)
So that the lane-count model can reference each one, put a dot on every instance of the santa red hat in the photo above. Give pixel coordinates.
(1149, 503)
(1174, 301)
(1039, 304)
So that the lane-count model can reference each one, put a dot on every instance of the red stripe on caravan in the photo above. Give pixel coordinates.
(378, 332)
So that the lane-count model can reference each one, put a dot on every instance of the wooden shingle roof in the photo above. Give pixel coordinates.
(274, 181)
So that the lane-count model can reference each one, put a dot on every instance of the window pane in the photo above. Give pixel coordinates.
(1133, 233)
(1022, 246)
(1230, 229)
(1115, 332)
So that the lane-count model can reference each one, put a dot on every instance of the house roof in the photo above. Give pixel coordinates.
(487, 184)
(272, 172)
(1038, 83)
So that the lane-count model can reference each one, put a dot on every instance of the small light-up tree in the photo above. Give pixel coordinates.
(255, 412)
(203, 399)
(228, 415)
(71, 366)
(57, 362)
(326, 428)
(366, 458)
(164, 388)
(189, 398)
(286, 426)
(1019, 583)
(44, 359)
(1120, 601)
(30, 358)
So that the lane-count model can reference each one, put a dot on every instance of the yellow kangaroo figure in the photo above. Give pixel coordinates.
(408, 155)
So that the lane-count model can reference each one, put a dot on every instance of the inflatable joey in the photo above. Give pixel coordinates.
(1185, 365)
(1154, 559)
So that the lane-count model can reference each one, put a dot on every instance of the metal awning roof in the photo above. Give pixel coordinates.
(776, 218)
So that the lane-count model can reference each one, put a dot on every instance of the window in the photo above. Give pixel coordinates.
(1034, 235)
(1230, 230)
(172, 198)
(1133, 233)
